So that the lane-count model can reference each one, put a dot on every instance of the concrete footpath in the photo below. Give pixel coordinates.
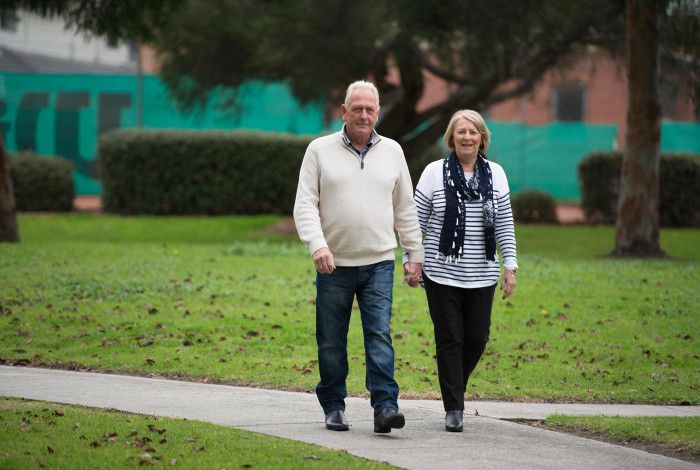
(486, 443)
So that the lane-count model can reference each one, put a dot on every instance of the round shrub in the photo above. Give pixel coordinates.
(599, 175)
(679, 190)
(534, 207)
(148, 171)
(679, 180)
(42, 183)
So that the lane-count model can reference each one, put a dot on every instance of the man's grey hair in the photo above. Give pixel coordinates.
(361, 85)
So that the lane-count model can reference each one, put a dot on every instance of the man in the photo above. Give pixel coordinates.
(354, 189)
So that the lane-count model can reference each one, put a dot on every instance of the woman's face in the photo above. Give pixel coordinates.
(467, 139)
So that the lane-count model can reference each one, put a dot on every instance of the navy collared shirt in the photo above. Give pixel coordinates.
(360, 153)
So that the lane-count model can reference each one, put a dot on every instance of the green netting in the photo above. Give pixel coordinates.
(680, 137)
(64, 114)
(546, 157)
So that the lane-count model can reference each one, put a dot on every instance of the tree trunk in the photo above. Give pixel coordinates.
(638, 206)
(8, 219)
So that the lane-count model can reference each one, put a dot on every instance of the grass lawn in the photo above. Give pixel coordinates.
(37, 434)
(678, 437)
(219, 299)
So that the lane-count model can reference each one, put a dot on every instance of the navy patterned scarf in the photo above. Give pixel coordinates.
(458, 192)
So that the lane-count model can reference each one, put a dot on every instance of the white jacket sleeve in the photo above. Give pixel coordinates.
(306, 213)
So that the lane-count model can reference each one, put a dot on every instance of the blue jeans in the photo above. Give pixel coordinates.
(334, 297)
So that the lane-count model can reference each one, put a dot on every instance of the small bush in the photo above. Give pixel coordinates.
(42, 183)
(679, 190)
(679, 180)
(599, 175)
(534, 206)
(185, 172)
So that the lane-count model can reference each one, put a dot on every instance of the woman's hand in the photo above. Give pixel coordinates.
(508, 282)
(412, 274)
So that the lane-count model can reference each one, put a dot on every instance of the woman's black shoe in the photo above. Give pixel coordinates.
(454, 421)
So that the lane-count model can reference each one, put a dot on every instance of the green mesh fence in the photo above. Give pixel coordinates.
(546, 157)
(64, 114)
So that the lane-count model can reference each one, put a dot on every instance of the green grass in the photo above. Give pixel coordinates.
(218, 298)
(675, 433)
(38, 434)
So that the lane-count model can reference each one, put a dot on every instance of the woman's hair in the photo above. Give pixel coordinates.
(361, 85)
(477, 120)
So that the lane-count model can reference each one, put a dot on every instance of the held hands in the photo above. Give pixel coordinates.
(323, 260)
(508, 282)
(412, 274)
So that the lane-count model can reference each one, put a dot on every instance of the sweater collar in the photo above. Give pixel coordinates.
(373, 138)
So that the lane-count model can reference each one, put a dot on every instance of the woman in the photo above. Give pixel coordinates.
(464, 208)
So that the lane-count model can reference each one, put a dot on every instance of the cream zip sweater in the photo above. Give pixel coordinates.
(354, 209)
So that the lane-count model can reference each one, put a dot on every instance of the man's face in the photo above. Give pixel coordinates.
(360, 115)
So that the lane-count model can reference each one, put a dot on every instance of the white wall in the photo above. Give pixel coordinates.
(36, 35)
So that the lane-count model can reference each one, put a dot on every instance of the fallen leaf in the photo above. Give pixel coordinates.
(153, 428)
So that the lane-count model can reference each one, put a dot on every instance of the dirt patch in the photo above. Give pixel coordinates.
(87, 204)
(570, 214)
(284, 226)
(677, 451)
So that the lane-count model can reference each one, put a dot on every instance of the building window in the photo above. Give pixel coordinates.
(112, 42)
(8, 20)
(133, 51)
(568, 103)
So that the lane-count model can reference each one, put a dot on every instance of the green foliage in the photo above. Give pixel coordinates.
(679, 180)
(679, 191)
(42, 183)
(417, 165)
(210, 45)
(221, 297)
(178, 172)
(123, 19)
(36, 434)
(534, 206)
(599, 175)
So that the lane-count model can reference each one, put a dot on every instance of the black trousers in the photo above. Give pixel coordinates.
(462, 320)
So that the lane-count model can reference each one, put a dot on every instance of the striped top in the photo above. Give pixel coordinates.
(472, 270)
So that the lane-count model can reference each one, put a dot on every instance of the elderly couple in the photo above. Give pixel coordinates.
(354, 191)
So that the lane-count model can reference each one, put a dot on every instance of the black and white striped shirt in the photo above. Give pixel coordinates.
(472, 270)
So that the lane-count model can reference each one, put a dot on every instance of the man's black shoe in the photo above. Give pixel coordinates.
(454, 421)
(335, 421)
(388, 418)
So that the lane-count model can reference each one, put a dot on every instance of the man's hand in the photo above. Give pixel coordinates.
(412, 273)
(508, 282)
(323, 259)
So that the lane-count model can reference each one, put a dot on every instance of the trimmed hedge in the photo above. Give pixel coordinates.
(679, 193)
(534, 206)
(42, 183)
(185, 172)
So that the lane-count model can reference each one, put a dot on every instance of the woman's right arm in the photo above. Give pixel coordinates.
(424, 196)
